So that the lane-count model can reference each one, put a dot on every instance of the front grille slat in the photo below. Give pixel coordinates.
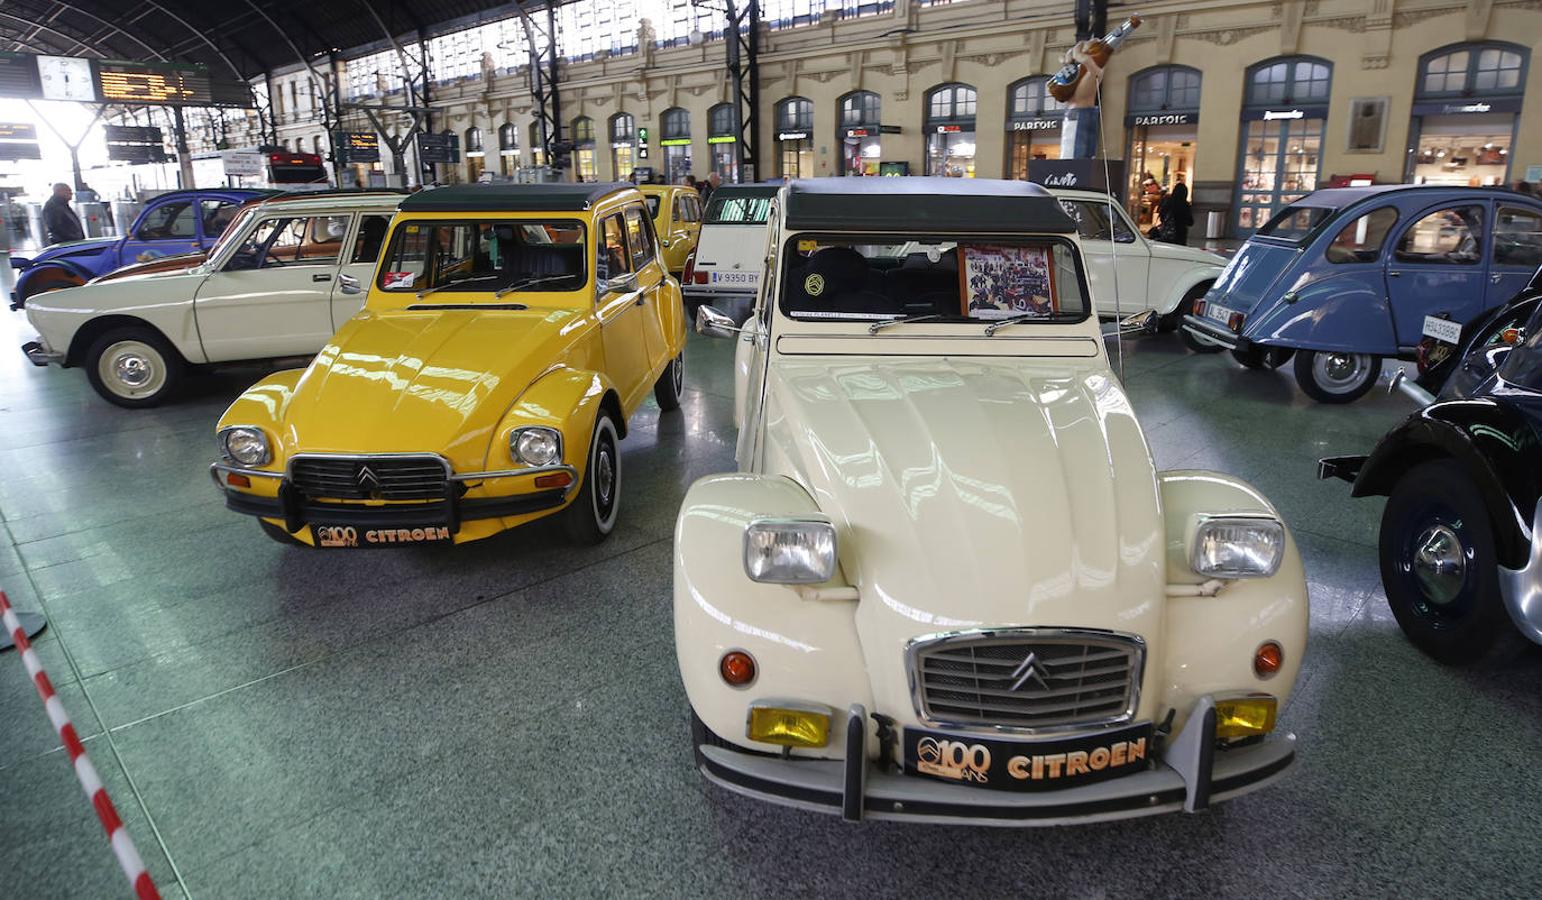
(1077, 678)
(395, 478)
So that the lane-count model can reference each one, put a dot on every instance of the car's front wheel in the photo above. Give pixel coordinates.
(591, 516)
(1331, 376)
(1438, 564)
(671, 384)
(133, 367)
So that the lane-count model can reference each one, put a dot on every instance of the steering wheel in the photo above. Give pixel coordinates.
(269, 257)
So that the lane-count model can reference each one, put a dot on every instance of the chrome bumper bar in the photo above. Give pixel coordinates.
(40, 355)
(1210, 332)
(216, 470)
(1522, 588)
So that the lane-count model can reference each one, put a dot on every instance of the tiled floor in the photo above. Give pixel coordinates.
(506, 719)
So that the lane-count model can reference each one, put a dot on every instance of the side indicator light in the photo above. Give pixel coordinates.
(1234, 322)
(737, 668)
(553, 480)
(1245, 716)
(1267, 659)
(788, 727)
(234, 480)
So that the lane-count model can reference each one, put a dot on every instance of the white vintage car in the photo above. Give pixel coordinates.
(948, 582)
(280, 280)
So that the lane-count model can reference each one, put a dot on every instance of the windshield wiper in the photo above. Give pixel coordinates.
(521, 285)
(448, 284)
(902, 320)
(992, 328)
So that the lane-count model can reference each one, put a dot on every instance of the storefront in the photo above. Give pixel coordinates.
(508, 150)
(537, 145)
(675, 138)
(623, 146)
(585, 164)
(722, 141)
(795, 138)
(1033, 125)
(859, 133)
(950, 131)
(476, 157)
(1284, 113)
(1467, 104)
(1163, 125)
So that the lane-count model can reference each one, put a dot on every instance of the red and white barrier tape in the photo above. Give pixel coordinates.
(117, 835)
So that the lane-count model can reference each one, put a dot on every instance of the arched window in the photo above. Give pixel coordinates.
(950, 136)
(508, 137)
(794, 124)
(675, 123)
(951, 101)
(623, 146)
(860, 108)
(473, 140)
(1030, 98)
(675, 138)
(1034, 119)
(721, 121)
(583, 131)
(795, 114)
(722, 136)
(585, 164)
(1463, 70)
(1296, 79)
(623, 128)
(1164, 88)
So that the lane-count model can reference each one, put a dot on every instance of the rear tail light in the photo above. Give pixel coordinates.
(1199, 307)
(690, 268)
(1234, 322)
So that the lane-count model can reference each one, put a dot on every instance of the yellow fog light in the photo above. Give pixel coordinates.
(1244, 716)
(789, 726)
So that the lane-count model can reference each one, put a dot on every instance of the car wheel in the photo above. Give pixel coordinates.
(1438, 564)
(1197, 345)
(133, 367)
(1173, 320)
(671, 384)
(1257, 357)
(591, 516)
(279, 534)
(1329, 376)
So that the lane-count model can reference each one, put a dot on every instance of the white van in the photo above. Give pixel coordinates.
(724, 271)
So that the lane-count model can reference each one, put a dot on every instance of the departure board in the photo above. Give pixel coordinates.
(19, 76)
(148, 83)
(356, 146)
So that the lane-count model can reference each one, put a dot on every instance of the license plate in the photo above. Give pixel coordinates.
(350, 537)
(734, 277)
(1219, 313)
(1443, 329)
(1045, 765)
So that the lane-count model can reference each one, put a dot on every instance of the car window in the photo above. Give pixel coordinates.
(270, 244)
(653, 205)
(1451, 235)
(738, 210)
(1296, 223)
(484, 256)
(614, 258)
(1517, 237)
(321, 239)
(372, 232)
(216, 215)
(168, 222)
(1361, 239)
(640, 237)
(1092, 223)
(857, 278)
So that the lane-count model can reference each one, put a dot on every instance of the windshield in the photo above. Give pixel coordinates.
(486, 255)
(738, 211)
(1296, 223)
(858, 278)
(233, 231)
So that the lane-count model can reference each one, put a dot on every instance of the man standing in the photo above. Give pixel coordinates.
(707, 187)
(59, 221)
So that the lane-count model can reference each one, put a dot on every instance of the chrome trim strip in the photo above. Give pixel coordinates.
(336, 457)
(450, 473)
(515, 473)
(216, 468)
(1522, 588)
(918, 644)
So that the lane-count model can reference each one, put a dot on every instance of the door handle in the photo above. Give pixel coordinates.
(1393, 274)
(1495, 278)
(321, 277)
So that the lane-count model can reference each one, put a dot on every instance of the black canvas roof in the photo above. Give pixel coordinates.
(554, 197)
(924, 204)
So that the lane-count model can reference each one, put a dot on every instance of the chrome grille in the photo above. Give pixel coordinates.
(1039, 678)
(420, 477)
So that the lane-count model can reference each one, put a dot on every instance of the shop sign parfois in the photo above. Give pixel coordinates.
(349, 537)
(1027, 765)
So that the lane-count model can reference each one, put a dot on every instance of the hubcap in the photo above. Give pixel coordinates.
(132, 369)
(604, 476)
(1341, 373)
(1439, 563)
(679, 374)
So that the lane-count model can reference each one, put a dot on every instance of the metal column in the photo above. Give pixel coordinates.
(743, 43)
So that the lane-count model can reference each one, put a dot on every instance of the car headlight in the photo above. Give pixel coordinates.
(245, 445)
(1238, 547)
(790, 550)
(536, 446)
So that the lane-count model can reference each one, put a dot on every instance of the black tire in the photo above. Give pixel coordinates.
(1330, 377)
(1257, 357)
(671, 384)
(134, 367)
(591, 517)
(1195, 344)
(279, 534)
(1174, 319)
(1439, 566)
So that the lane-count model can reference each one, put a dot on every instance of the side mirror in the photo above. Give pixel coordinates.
(1143, 322)
(348, 284)
(712, 323)
(623, 282)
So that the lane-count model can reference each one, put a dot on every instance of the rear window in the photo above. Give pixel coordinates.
(739, 211)
(1296, 223)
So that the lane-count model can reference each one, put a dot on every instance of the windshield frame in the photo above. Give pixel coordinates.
(233, 235)
(974, 326)
(400, 225)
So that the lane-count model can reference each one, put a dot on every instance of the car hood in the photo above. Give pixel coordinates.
(423, 381)
(1179, 252)
(975, 494)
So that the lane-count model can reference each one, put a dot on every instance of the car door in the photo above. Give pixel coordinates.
(272, 296)
(358, 267)
(752, 354)
(657, 321)
(621, 311)
(685, 226)
(1118, 260)
(1516, 253)
(1438, 267)
(169, 228)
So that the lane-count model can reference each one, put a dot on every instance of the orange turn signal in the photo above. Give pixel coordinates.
(737, 668)
(234, 480)
(553, 480)
(1267, 659)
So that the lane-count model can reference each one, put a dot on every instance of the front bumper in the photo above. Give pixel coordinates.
(297, 511)
(1213, 332)
(1522, 588)
(39, 355)
(1191, 776)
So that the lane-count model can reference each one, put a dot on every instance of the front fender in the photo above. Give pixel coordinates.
(1344, 311)
(1493, 443)
(263, 405)
(1187, 281)
(50, 271)
(566, 399)
(1211, 640)
(804, 650)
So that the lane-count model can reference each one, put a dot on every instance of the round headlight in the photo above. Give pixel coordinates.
(247, 446)
(536, 446)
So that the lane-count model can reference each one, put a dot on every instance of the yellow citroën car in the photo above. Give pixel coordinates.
(509, 333)
(676, 211)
